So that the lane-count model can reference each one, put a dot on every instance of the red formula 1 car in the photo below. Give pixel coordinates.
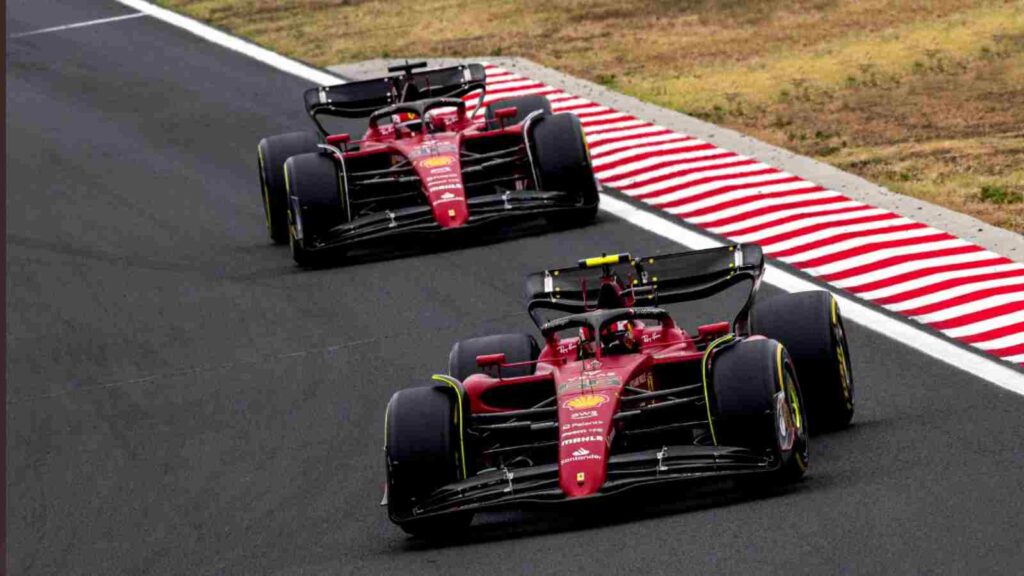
(424, 165)
(619, 396)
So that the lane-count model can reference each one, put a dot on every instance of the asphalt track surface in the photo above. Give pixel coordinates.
(183, 400)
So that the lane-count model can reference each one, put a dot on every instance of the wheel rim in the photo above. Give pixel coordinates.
(797, 421)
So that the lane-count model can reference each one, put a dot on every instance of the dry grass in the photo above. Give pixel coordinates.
(923, 96)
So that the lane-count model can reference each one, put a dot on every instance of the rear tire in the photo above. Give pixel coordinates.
(515, 347)
(810, 326)
(562, 160)
(312, 179)
(272, 153)
(421, 449)
(757, 403)
(525, 105)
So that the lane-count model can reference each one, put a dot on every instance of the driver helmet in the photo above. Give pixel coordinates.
(619, 337)
(406, 121)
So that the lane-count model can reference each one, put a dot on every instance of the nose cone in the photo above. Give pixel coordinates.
(442, 183)
(451, 212)
(584, 437)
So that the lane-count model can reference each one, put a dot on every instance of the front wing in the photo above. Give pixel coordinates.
(539, 484)
(419, 220)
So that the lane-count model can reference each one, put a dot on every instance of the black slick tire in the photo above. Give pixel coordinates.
(562, 163)
(422, 454)
(272, 152)
(810, 326)
(757, 403)
(312, 182)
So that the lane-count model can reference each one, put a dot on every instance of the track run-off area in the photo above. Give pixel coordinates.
(182, 399)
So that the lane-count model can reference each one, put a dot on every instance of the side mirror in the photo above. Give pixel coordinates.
(339, 140)
(485, 360)
(503, 114)
(712, 331)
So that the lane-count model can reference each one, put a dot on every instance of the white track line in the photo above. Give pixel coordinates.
(929, 344)
(79, 24)
(211, 34)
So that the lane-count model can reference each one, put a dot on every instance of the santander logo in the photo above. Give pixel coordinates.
(580, 452)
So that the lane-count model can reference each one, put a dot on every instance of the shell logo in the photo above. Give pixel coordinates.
(586, 401)
(436, 162)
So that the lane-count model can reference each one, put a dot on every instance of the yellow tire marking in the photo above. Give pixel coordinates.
(458, 417)
(266, 191)
(704, 377)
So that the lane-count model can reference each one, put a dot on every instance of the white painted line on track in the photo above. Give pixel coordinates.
(991, 369)
(79, 25)
(234, 43)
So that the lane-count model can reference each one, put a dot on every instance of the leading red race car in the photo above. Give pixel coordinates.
(619, 396)
(425, 164)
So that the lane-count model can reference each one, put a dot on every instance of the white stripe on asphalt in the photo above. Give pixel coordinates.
(866, 315)
(80, 24)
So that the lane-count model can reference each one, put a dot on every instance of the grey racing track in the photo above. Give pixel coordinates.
(183, 400)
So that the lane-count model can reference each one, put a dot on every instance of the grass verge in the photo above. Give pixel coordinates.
(925, 97)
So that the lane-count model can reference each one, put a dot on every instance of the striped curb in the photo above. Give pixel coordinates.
(918, 271)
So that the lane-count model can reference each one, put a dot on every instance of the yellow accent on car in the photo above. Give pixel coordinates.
(791, 392)
(602, 260)
(778, 364)
(458, 416)
(704, 378)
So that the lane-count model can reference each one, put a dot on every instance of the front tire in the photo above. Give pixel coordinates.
(314, 204)
(272, 152)
(810, 326)
(422, 453)
(562, 162)
(757, 404)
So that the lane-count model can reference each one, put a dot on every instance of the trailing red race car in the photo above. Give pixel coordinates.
(619, 396)
(424, 165)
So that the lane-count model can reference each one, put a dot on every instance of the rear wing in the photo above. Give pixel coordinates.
(649, 281)
(360, 99)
